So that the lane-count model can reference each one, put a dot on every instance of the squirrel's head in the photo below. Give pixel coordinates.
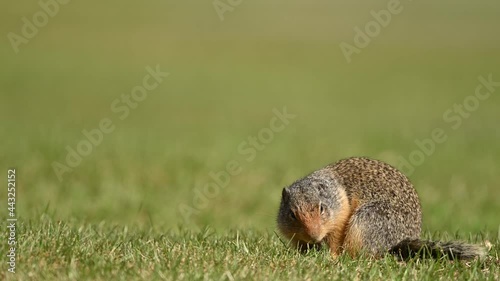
(309, 207)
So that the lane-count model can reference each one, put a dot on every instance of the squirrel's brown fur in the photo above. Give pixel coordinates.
(360, 205)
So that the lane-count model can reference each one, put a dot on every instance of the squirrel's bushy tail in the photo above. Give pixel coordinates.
(410, 248)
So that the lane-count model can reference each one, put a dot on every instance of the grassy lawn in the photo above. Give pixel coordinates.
(77, 250)
(144, 204)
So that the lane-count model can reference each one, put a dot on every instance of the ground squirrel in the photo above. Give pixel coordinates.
(360, 205)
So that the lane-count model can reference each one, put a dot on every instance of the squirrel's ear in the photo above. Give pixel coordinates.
(284, 193)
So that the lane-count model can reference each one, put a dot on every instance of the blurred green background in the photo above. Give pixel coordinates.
(225, 79)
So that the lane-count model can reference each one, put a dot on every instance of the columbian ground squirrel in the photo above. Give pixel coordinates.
(360, 205)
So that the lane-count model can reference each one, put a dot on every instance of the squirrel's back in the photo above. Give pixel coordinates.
(369, 180)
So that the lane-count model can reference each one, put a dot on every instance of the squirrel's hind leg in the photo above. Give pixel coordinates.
(374, 228)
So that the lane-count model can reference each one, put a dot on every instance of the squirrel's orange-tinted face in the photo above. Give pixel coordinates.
(304, 218)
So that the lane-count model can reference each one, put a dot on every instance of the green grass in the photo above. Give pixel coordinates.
(73, 250)
(116, 215)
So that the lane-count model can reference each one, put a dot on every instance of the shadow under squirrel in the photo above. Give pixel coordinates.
(360, 205)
